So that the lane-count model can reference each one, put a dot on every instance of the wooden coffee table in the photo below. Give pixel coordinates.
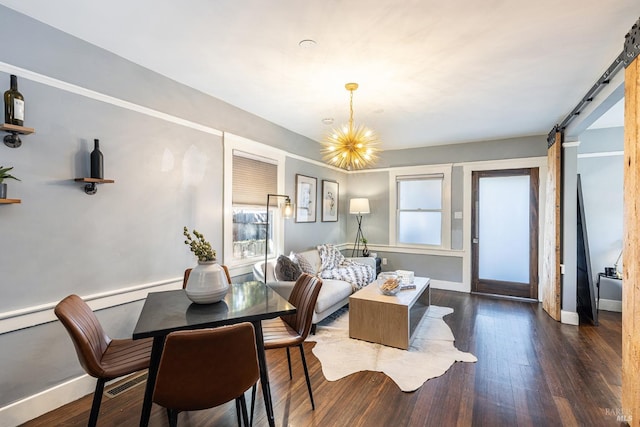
(388, 320)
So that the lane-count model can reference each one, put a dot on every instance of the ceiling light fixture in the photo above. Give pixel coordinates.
(307, 43)
(351, 146)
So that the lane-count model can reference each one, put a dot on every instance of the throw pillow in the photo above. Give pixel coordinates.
(330, 256)
(286, 270)
(304, 264)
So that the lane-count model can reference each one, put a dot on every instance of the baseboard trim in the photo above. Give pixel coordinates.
(610, 305)
(47, 400)
(449, 286)
(569, 318)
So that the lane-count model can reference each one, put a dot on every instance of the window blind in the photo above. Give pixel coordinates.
(252, 180)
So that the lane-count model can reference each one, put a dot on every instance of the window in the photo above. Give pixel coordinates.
(251, 171)
(420, 210)
(420, 213)
(253, 179)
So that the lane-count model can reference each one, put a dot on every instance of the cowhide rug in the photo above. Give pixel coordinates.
(430, 355)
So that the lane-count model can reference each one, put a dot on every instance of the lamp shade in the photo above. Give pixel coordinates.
(288, 209)
(359, 206)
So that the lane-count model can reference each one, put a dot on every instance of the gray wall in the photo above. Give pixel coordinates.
(375, 187)
(602, 189)
(301, 236)
(130, 232)
(512, 148)
(436, 267)
(457, 201)
(59, 240)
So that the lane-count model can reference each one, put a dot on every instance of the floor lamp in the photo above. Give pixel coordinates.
(287, 212)
(358, 207)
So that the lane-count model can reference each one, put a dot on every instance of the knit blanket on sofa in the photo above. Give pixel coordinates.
(336, 266)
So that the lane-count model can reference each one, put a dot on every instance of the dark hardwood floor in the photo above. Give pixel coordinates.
(531, 371)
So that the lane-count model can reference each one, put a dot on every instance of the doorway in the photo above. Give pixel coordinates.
(504, 225)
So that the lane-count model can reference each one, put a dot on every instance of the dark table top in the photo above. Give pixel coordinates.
(165, 312)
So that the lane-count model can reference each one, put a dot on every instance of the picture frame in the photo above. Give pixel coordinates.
(330, 200)
(306, 194)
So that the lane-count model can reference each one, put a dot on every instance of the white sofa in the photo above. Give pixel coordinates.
(334, 294)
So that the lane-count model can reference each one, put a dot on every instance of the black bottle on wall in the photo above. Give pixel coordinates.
(97, 162)
(13, 104)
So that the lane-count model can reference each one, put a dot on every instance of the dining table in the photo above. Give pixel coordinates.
(169, 311)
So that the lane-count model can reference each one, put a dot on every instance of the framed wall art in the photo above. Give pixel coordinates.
(306, 198)
(329, 201)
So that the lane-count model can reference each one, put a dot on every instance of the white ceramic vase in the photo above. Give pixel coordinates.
(207, 283)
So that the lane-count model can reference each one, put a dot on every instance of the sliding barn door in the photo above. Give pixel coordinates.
(631, 252)
(550, 281)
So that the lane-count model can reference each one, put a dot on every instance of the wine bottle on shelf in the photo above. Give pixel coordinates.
(13, 104)
(97, 161)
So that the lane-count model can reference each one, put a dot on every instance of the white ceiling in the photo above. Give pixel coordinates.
(431, 72)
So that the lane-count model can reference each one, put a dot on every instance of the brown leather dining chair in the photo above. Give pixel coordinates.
(205, 368)
(187, 272)
(100, 356)
(292, 330)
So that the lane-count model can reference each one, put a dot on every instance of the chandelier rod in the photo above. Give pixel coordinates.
(351, 111)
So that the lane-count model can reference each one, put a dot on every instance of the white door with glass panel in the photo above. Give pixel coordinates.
(505, 232)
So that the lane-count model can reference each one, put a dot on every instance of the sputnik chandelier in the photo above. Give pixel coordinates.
(351, 146)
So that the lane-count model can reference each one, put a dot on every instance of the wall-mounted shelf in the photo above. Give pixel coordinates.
(8, 201)
(90, 183)
(13, 140)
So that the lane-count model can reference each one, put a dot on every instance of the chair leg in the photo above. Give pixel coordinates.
(97, 399)
(172, 414)
(242, 403)
(253, 402)
(289, 362)
(306, 374)
(313, 329)
(238, 410)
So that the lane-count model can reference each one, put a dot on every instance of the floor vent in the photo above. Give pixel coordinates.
(129, 383)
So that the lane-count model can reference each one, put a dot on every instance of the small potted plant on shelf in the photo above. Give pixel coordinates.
(4, 174)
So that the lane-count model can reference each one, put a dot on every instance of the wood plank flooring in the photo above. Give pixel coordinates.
(531, 371)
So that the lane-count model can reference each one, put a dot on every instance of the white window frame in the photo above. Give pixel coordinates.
(256, 150)
(418, 171)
